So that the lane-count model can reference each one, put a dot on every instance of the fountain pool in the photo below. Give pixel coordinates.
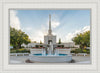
(50, 56)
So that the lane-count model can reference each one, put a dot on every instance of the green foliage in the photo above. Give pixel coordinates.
(76, 51)
(17, 37)
(40, 42)
(12, 51)
(35, 42)
(82, 39)
(41, 45)
(19, 51)
(72, 51)
(60, 46)
(79, 50)
(59, 41)
(37, 46)
(86, 51)
(22, 47)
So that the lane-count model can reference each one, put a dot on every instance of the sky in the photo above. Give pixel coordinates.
(65, 24)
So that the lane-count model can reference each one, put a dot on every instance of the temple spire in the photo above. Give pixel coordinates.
(49, 31)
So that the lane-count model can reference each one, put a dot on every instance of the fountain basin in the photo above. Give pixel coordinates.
(50, 58)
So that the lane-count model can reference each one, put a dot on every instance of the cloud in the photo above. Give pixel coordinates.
(37, 36)
(14, 20)
(54, 24)
(69, 36)
(27, 29)
(86, 28)
(54, 33)
(54, 21)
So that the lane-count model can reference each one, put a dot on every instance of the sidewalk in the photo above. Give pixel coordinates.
(22, 59)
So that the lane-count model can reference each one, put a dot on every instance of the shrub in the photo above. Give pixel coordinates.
(81, 51)
(37, 46)
(84, 51)
(62, 46)
(12, 51)
(59, 46)
(22, 47)
(41, 46)
(20, 51)
(72, 51)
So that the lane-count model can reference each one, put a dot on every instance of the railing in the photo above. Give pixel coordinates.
(84, 54)
(27, 54)
(19, 54)
(80, 54)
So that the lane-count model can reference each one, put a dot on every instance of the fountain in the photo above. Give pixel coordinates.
(50, 56)
(49, 53)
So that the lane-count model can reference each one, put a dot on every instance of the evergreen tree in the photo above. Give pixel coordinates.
(40, 42)
(59, 41)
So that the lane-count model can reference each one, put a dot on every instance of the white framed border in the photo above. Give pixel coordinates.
(5, 66)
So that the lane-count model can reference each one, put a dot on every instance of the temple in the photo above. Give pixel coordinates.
(51, 38)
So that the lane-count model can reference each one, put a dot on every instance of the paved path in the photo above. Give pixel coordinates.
(22, 59)
(81, 58)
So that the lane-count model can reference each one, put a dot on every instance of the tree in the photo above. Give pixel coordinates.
(59, 41)
(35, 42)
(40, 42)
(17, 37)
(82, 39)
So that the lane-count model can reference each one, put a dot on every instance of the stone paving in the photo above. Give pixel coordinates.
(24, 59)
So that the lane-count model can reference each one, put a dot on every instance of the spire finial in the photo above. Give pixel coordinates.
(49, 22)
(49, 31)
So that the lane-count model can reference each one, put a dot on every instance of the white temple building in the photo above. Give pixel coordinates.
(51, 38)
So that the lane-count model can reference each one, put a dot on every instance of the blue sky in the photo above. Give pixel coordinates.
(65, 23)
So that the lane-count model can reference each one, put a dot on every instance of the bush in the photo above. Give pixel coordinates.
(84, 51)
(41, 46)
(77, 50)
(72, 51)
(12, 51)
(20, 51)
(62, 46)
(37, 46)
(81, 51)
(22, 47)
(59, 46)
(88, 52)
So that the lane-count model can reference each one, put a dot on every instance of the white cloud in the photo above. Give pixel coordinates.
(27, 29)
(54, 24)
(86, 28)
(69, 36)
(54, 21)
(14, 20)
(54, 33)
(37, 36)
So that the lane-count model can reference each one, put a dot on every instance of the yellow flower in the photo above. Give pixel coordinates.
(20, 49)
(84, 46)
